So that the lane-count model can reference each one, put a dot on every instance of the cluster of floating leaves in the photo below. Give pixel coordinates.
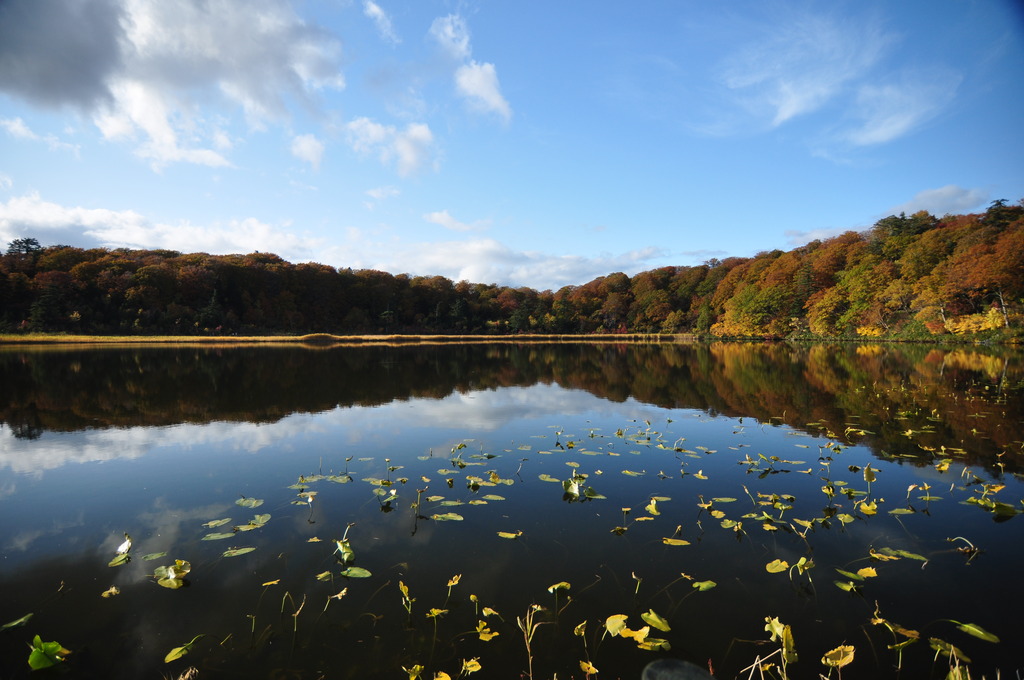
(771, 512)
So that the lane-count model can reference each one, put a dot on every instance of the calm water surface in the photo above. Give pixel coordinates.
(753, 454)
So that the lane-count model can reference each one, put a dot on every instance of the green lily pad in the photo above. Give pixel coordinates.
(356, 572)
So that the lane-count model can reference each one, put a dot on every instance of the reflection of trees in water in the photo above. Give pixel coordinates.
(942, 397)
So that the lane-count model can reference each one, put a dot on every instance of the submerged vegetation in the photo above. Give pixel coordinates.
(908, 277)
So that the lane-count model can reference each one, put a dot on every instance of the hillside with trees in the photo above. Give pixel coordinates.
(910, 277)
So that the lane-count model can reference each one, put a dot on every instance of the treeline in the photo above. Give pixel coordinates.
(908, 276)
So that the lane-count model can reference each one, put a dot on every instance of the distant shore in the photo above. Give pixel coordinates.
(327, 339)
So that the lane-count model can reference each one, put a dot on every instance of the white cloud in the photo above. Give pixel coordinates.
(892, 110)
(802, 64)
(474, 81)
(17, 128)
(6, 182)
(142, 107)
(382, 21)
(409, 148)
(30, 215)
(444, 219)
(479, 84)
(146, 68)
(488, 260)
(308, 148)
(452, 34)
(381, 193)
(949, 199)
(485, 261)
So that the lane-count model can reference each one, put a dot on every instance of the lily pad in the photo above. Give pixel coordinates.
(356, 572)
(235, 552)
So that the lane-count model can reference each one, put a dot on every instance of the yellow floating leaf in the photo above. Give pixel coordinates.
(867, 572)
(615, 624)
(272, 583)
(776, 566)
(587, 667)
(656, 620)
(838, 657)
(674, 541)
(638, 635)
(485, 633)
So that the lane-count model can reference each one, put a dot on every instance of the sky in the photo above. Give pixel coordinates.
(527, 143)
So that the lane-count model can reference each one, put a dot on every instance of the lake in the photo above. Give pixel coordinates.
(394, 511)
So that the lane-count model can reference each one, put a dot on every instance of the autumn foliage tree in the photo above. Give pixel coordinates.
(907, 276)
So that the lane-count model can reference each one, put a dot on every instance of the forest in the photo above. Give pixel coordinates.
(907, 277)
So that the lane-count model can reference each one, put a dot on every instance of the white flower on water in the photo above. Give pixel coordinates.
(126, 546)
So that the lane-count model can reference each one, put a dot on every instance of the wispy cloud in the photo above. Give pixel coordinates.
(18, 129)
(452, 35)
(409, 148)
(813, 63)
(891, 110)
(308, 148)
(947, 200)
(478, 83)
(382, 21)
(800, 65)
(444, 219)
(380, 193)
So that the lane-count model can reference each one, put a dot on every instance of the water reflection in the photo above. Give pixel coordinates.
(158, 442)
(939, 395)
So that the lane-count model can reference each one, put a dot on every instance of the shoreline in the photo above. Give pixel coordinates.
(329, 340)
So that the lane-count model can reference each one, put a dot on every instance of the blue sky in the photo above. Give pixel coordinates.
(524, 143)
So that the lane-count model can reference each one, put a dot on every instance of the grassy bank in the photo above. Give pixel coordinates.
(327, 340)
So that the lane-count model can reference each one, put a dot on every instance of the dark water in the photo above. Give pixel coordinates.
(96, 443)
